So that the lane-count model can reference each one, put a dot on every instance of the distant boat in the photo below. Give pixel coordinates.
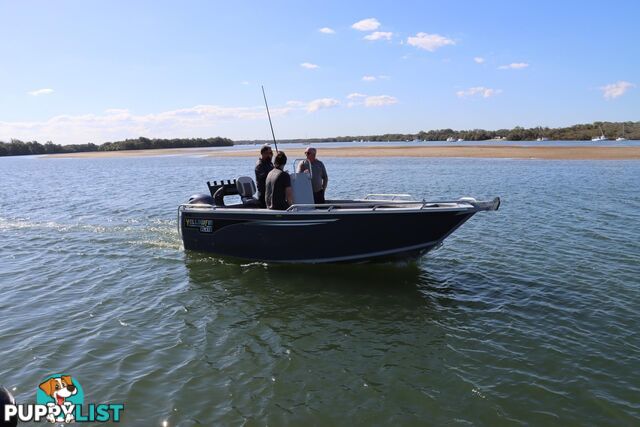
(600, 138)
(541, 138)
(622, 138)
(451, 139)
(460, 140)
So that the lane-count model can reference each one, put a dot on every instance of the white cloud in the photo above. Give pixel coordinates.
(482, 91)
(119, 123)
(309, 66)
(200, 120)
(116, 111)
(244, 82)
(614, 90)
(429, 42)
(379, 35)
(478, 60)
(357, 98)
(514, 66)
(379, 100)
(356, 95)
(318, 104)
(39, 92)
(369, 24)
(369, 78)
(327, 30)
(313, 106)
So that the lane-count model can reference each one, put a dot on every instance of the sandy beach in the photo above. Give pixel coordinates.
(496, 152)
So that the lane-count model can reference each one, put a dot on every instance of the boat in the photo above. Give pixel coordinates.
(622, 138)
(540, 137)
(451, 139)
(377, 227)
(460, 140)
(600, 138)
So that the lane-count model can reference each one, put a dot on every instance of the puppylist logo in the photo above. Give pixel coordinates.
(60, 399)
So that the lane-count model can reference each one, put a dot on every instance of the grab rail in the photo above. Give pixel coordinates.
(374, 206)
(480, 205)
(392, 196)
(355, 205)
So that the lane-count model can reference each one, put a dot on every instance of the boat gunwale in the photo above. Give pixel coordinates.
(352, 208)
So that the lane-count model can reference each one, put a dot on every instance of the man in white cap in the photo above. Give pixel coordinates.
(319, 177)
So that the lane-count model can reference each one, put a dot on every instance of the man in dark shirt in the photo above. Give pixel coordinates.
(263, 167)
(278, 192)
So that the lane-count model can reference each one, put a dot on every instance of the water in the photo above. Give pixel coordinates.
(526, 315)
(320, 145)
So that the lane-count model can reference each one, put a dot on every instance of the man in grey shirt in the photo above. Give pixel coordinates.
(319, 177)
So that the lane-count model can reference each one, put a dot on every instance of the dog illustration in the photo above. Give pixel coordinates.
(59, 388)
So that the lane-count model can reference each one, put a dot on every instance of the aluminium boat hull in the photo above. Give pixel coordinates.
(318, 236)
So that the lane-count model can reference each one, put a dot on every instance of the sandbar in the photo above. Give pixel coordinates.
(452, 151)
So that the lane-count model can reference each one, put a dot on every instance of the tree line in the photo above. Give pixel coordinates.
(581, 132)
(21, 148)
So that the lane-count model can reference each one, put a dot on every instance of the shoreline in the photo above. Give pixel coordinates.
(453, 151)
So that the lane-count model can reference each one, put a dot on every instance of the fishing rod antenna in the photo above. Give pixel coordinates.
(269, 115)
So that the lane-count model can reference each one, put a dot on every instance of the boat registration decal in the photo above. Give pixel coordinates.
(205, 225)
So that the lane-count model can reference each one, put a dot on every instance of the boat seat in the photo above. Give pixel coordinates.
(246, 189)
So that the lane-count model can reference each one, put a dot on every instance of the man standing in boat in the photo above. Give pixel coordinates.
(278, 192)
(263, 167)
(319, 177)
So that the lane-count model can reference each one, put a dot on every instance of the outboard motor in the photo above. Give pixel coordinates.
(201, 199)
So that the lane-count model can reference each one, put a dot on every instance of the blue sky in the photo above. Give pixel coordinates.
(90, 71)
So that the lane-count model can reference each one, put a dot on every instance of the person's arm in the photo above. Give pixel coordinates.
(302, 167)
(261, 174)
(288, 191)
(289, 195)
(325, 177)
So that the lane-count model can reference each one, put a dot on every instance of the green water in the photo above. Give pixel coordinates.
(528, 315)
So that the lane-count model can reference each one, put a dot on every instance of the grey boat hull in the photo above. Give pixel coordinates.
(320, 236)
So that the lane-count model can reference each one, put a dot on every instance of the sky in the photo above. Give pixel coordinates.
(96, 71)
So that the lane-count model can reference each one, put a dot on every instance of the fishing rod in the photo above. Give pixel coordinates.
(269, 115)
